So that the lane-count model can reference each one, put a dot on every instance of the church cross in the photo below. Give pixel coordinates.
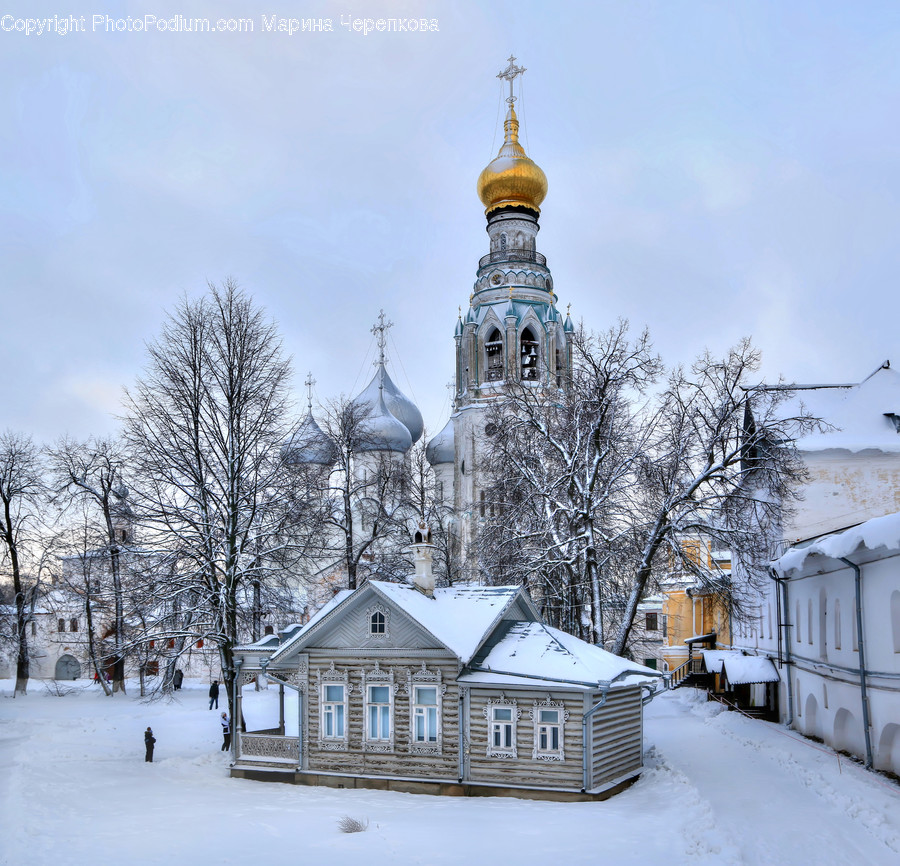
(309, 386)
(510, 74)
(380, 332)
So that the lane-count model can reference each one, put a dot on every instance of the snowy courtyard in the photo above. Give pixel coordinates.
(718, 788)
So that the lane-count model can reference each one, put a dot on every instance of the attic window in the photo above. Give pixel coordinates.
(376, 623)
(894, 418)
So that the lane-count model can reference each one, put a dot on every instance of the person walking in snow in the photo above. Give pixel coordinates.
(226, 733)
(214, 694)
(177, 679)
(149, 740)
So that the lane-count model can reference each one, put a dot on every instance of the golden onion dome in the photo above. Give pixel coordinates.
(512, 179)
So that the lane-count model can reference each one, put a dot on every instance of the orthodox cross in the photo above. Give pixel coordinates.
(309, 386)
(380, 331)
(510, 74)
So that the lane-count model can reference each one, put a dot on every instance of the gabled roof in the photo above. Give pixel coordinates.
(460, 618)
(534, 651)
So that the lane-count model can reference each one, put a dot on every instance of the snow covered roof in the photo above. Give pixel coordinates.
(534, 651)
(740, 669)
(320, 614)
(877, 532)
(859, 414)
(459, 617)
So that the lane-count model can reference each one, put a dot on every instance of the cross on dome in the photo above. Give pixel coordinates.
(510, 74)
(309, 382)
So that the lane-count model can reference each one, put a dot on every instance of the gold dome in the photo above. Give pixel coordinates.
(512, 179)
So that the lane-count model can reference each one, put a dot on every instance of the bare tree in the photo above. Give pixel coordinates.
(204, 427)
(91, 473)
(365, 521)
(594, 484)
(22, 492)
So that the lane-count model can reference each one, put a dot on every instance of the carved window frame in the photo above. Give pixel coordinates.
(379, 677)
(332, 677)
(539, 754)
(502, 703)
(427, 679)
(378, 637)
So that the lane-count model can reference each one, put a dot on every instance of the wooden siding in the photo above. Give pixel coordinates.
(400, 762)
(351, 630)
(524, 769)
(617, 735)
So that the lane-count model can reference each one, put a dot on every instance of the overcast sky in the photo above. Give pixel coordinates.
(715, 170)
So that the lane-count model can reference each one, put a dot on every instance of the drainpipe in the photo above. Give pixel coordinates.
(783, 584)
(235, 725)
(862, 659)
(462, 721)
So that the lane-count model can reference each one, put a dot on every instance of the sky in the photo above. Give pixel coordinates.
(716, 170)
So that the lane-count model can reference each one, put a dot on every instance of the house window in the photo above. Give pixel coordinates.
(837, 623)
(378, 713)
(334, 712)
(200, 644)
(170, 643)
(502, 715)
(376, 623)
(425, 714)
(652, 623)
(33, 628)
(73, 624)
(549, 719)
(270, 629)
(151, 669)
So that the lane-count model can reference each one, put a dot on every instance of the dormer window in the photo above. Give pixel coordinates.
(376, 623)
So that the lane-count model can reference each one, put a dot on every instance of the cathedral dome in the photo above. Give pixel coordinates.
(309, 445)
(398, 404)
(381, 431)
(441, 449)
(512, 179)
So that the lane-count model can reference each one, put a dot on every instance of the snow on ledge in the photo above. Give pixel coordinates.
(878, 532)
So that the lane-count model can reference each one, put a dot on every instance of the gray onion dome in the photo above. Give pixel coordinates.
(309, 445)
(440, 449)
(398, 404)
(381, 431)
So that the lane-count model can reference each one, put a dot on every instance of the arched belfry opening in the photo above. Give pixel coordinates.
(493, 356)
(530, 355)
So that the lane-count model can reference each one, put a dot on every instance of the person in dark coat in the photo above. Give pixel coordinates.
(214, 694)
(226, 733)
(149, 741)
(177, 679)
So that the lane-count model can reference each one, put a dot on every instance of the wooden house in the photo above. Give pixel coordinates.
(460, 690)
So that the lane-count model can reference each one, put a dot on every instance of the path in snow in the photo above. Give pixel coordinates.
(768, 795)
(74, 790)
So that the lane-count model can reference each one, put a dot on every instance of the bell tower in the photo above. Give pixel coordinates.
(511, 334)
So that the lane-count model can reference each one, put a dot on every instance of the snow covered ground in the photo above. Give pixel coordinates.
(718, 789)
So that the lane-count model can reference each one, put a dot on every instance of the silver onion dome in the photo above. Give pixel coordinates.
(310, 444)
(441, 449)
(398, 404)
(381, 431)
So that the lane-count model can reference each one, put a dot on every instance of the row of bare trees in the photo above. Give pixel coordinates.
(191, 525)
(594, 487)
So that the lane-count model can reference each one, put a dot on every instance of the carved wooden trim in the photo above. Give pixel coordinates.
(549, 754)
(378, 638)
(501, 751)
(425, 677)
(254, 745)
(334, 677)
(377, 676)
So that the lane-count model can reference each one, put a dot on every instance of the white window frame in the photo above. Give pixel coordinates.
(371, 611)
(537, 709)
(332, 677)
(378, 678)
(493, 725)
(424, 678)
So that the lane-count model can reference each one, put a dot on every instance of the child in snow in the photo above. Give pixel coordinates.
(149, 740)
(226, 733)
